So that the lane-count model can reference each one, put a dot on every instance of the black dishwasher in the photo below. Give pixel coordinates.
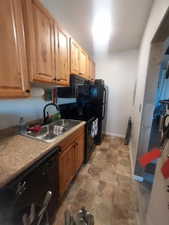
(24, 199)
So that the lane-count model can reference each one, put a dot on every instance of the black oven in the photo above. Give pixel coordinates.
(91, 132)
(33, 196)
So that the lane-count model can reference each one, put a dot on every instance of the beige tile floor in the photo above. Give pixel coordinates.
(105, 187)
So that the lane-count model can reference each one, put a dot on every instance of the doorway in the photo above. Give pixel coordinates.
(160, 111)
(152, 110)
(157, 90)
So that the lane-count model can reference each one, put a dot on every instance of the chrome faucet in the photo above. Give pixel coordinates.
(46, 117)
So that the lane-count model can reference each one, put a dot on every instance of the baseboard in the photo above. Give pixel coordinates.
(114, 134)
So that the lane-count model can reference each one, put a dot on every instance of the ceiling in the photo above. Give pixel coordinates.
(128, 20)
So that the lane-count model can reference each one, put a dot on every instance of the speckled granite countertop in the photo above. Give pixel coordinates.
(18, 153)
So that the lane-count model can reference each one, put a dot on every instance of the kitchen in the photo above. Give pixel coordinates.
(44, 56)
(67, 90)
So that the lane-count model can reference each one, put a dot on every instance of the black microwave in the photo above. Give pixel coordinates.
(78, 86)
(76, 80)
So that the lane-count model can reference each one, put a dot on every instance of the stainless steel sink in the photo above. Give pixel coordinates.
(51, 131)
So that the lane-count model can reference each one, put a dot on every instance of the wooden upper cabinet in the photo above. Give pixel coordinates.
(40, 37)
(13, 67)
(48, 55)
(74, 57)
(80, 62)
(63, 58)
(83, 60)
(56, 52)
(91, 69)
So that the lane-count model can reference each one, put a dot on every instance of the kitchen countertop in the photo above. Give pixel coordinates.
(18, 152)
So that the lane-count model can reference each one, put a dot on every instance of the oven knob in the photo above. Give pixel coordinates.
(21, 187)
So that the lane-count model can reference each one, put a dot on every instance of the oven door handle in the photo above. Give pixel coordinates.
(104, 104)
(42, 212)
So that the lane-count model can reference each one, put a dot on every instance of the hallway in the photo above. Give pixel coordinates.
(104, 186)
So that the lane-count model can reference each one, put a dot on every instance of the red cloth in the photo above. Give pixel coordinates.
(165, 169)
(35, 128)
(149, 157)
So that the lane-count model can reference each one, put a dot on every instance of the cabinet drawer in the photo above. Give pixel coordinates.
(71, 138)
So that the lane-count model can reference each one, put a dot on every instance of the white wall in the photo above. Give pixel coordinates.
(119, 72)
(12, 110)
(31, 109)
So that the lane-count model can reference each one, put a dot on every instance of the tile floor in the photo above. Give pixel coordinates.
(104, 186)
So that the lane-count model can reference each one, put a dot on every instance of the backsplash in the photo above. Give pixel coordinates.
(30, 109)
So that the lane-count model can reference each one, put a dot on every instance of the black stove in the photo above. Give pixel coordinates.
(90, 106)
(91, 98)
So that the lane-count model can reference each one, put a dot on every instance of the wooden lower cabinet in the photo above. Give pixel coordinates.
(71, 158)
(66, 168)
(79, 152)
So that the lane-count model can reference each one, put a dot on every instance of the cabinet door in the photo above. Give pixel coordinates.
(89, 68)
(74, 57)
(56, 52)
(63, 54)
(13, 67)
(40, 30)
(66, 168)
(79, 151)
(93, 72)
(83, 63)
